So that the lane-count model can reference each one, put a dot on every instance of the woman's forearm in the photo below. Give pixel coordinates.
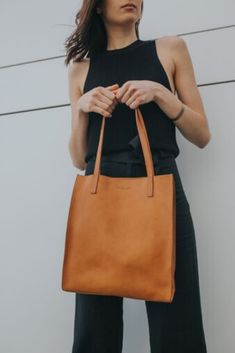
(191, 124)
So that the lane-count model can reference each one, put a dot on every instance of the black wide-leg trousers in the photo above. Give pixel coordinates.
(175, 327)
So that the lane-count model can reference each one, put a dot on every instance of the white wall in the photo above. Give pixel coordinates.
(37, 175)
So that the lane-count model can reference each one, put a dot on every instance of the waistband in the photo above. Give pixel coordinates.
(130, 157)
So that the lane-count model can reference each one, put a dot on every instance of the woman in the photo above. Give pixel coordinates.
(119, 73)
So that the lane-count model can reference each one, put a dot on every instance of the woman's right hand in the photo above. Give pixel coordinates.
(100, 99)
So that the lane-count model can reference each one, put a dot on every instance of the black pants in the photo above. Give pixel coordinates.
(175, 327)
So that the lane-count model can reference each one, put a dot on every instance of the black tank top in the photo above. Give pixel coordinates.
(137, 61)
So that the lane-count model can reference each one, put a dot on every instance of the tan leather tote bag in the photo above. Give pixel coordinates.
(120, 237)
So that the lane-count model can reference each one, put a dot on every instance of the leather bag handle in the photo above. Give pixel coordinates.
(146, 151)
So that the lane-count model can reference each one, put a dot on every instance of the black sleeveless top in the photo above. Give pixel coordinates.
(137, 61)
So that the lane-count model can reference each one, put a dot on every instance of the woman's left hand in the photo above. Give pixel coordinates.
(134, 93)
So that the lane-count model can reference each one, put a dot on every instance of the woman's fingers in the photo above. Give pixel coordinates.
(104, 100)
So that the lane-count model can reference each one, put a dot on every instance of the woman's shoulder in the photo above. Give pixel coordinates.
(170, 39)
(77, 66)
(171, 44)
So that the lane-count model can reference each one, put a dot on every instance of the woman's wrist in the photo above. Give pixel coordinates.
(168, 102)
(180, 113)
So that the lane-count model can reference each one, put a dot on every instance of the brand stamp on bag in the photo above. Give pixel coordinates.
(122, 187)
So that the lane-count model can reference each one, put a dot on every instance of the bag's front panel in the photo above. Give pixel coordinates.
(119, 235)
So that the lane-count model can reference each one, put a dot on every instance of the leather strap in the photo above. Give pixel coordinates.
(146, 152)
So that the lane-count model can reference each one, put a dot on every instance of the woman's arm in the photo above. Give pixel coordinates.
(79, 122)
(193, 123)
(100, 100)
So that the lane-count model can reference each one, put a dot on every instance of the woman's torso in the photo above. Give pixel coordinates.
(137, 61)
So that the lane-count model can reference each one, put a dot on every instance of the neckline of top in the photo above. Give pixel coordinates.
(123, 49)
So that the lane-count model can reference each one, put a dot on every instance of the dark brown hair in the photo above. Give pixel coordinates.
(89, 35)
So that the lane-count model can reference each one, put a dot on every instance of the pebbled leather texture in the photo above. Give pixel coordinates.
(121, 225)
